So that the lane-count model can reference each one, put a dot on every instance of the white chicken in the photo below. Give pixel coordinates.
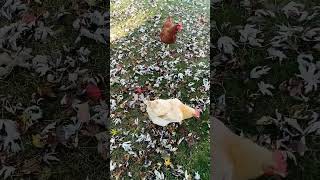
(238, 158)
(165, 111)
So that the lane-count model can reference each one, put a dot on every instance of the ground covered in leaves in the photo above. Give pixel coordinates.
(53, 66)
(265, 77)
(144, 68)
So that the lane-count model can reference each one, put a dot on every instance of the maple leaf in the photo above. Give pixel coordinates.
(7, 171)
(310, 74)
(8, 141)
(313, 127)
(292, 8)
(274, 53)
(264, 88)
(159, 176)
(312, 34)
(226, 44)
(197, 176)
(249, 34)
(258, 71)
(10, 7)
(42, 32)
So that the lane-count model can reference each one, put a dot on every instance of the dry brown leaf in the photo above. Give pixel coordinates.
(46, 91)
(91, 130)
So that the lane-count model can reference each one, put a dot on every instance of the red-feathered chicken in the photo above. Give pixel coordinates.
(238, 158)
(169, 31)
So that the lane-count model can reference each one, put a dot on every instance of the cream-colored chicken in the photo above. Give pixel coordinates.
(165, 111)
(238, 158)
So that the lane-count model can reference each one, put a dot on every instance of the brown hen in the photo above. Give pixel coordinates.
(169, 31)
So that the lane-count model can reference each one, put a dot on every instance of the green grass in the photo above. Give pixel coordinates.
(199, 153)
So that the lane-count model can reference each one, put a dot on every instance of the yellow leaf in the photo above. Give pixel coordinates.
(114, 132)
(167, 161)
(24, 118)
(36, 141)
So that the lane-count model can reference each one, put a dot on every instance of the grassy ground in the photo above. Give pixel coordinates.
(232, 80)
(75, 162)
(135, 43)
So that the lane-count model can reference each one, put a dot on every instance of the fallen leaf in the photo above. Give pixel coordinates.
(83, 113)
(46, 91)
(93, 91)
(90, 130)
(28, 18)
(7, 171)
(50, 157)
(167, 161)
(31, 166)
(36, 141)
(294, 123)
(265, 120)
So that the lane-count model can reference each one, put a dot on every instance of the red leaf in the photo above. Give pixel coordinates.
(93, 92)
(28, 18)
(138, 90)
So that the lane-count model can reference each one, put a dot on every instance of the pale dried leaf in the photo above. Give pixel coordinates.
(226, 44)
(264, 88)
(258, 71)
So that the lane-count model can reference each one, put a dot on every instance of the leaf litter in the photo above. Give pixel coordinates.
(143, 68)
(265, 59)
(67, 105)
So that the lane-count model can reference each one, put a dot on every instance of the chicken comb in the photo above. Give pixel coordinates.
(281, 163)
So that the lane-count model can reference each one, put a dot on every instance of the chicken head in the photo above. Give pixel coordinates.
(280, 166)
